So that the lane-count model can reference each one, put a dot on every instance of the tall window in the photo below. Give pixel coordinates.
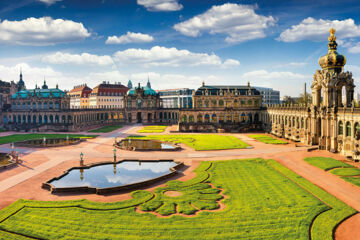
(348, 129)
(206, 103)
(356, 130)
(341, 128)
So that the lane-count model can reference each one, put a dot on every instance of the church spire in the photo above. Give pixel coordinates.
(148, 83)
(44, 86)
(21, 83)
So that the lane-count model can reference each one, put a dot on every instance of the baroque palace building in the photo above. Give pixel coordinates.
(331, 121)
(143, 105)
(222, 108)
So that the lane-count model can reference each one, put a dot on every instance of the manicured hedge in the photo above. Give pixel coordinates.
(267, 139)
(326, 163)
(152, 129)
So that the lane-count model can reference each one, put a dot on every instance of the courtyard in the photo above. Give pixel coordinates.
(254, 189)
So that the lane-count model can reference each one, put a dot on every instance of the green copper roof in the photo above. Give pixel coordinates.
(40, 93)
(147, 91)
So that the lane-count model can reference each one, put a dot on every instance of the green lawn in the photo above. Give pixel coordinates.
(201, 142)
(152, 129)
(326, 163)
(105, 129)
(267, 139)
(264, 200)
(346, 171)
(352, 180)
(22, 137)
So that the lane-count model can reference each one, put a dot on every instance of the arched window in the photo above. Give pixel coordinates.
(206, 103)
(51, 105)
(214, 103)
(249, 102)
(207, 118)
(139, 103)
(221, 103)
(184, 119)
(341, 128)
(236, 103)
(199, 118)
(228, 118)
(213, 118)
(199, 103)
(191, 118)
(348, 129)
(356, 130)
(249, 117)
(242, 117)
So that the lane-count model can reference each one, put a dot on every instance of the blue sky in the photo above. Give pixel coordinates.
(177, 43)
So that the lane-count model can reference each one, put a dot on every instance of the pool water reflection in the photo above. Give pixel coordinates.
(113, 175)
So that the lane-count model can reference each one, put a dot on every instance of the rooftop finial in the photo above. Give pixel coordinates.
(203, 83)
(148, 83)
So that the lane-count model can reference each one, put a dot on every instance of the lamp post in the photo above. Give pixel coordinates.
(44, 141)
(17, 157)
(12, 149)
(67, 140)
(114, 151)
(81, 174)
(81, 159)
(114, 169)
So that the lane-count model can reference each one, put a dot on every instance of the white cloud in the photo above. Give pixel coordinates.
(355, 48)
(318, 30)
(41, 31)
(130, 37)
(49, 2)
(288, 83)
(78, 59)
(239, 22)
(158, 80)
(231, 63)
(33, 75)
(170, 57)
(160, 5)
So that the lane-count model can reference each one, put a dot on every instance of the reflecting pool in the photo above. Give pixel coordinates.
(113, 175)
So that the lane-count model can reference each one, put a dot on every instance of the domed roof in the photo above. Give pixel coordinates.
(146, 91)
(332, 61)
(149, 91)
(131, 91)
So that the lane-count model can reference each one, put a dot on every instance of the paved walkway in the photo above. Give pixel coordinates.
(56, 159)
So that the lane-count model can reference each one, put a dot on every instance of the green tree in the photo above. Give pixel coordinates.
(304, 100)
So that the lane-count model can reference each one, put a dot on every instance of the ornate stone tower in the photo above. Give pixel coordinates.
(327, 96)
(328, 83)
